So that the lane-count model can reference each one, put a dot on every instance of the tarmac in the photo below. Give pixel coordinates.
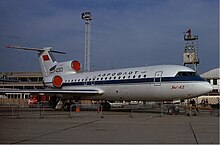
(91, 127)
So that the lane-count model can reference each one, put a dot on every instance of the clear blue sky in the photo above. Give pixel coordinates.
(125, 33)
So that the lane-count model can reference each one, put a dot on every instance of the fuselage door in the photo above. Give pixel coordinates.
(157, 78)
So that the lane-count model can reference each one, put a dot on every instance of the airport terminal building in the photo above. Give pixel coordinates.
(33, 80)
(21, 80)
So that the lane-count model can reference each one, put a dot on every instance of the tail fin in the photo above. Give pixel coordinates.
(46, 59)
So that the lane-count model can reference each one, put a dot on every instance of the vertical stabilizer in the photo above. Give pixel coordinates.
(46, 59)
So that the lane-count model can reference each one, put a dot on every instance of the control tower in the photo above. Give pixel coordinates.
(190, 54)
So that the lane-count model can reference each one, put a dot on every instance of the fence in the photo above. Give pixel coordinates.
(43, 111)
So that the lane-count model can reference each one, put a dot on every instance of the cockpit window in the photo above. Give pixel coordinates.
(186, 74)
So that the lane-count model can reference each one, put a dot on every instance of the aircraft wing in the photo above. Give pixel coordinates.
(72, 92)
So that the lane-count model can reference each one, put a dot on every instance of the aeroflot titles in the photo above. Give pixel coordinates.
(114, 74)
(118, 74)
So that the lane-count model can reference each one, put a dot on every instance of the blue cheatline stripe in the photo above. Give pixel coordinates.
(141, 80)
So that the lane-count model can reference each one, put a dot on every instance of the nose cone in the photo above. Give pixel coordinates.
(207, 87)
(200, 88)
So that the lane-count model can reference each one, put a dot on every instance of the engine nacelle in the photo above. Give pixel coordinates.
(75, 65)
(72, 66)
(57, 71)
(53, 81)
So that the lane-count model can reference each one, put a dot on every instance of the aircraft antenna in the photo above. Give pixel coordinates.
(87, 17)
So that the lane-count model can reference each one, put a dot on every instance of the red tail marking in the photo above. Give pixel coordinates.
(46, 57)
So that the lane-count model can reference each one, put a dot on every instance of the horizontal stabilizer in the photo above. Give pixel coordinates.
(35, 49)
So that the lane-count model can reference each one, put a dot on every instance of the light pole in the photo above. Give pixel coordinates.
(87, 17)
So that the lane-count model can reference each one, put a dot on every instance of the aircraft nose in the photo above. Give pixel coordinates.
(208, 87)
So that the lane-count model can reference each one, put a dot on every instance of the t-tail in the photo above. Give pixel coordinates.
(47, 61)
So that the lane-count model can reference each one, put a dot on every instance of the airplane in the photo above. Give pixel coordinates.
(148, 83)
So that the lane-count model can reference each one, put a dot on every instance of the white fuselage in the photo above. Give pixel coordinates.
(153, 83)
(150, 83)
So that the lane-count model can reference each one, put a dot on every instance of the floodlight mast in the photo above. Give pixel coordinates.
(87, 17)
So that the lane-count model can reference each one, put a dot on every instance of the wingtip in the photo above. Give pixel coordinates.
(11, 46)
(8, 46)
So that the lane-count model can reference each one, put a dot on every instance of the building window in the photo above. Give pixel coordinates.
(23, 79)
(8, 87)
(40, 79)
(39, 87)
(208, 80)
(33, 79)
(28, 87)
(214, 81)
(18, 87)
